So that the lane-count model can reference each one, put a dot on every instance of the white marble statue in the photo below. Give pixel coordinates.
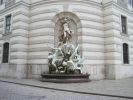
(65, 59)
(66, 33)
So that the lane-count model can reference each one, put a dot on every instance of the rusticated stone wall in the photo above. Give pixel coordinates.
(97, 27)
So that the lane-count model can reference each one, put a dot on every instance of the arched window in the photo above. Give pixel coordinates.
(5, 52)
(125, 54)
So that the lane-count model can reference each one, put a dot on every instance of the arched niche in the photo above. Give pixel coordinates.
(74, 25)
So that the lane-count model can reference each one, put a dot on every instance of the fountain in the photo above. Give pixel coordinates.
(65, 62)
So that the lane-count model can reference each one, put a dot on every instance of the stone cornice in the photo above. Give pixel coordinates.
(119, 7)
(85, 2)
(14, 6)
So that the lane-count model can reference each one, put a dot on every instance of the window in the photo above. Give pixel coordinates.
(5, 52)
(124, 24)
(125, 54)
(1, 2)
(8, 24)
(130, 2)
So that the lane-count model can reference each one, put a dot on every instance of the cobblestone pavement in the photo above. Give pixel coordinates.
(9, 91)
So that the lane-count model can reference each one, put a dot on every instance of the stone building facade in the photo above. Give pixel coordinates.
(104, 32)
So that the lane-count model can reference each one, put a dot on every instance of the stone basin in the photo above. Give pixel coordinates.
(65, 78)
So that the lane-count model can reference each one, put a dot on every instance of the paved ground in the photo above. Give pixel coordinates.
(95, 90)
(9, 91)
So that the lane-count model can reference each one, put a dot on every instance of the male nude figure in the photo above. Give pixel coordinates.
(66, 31)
